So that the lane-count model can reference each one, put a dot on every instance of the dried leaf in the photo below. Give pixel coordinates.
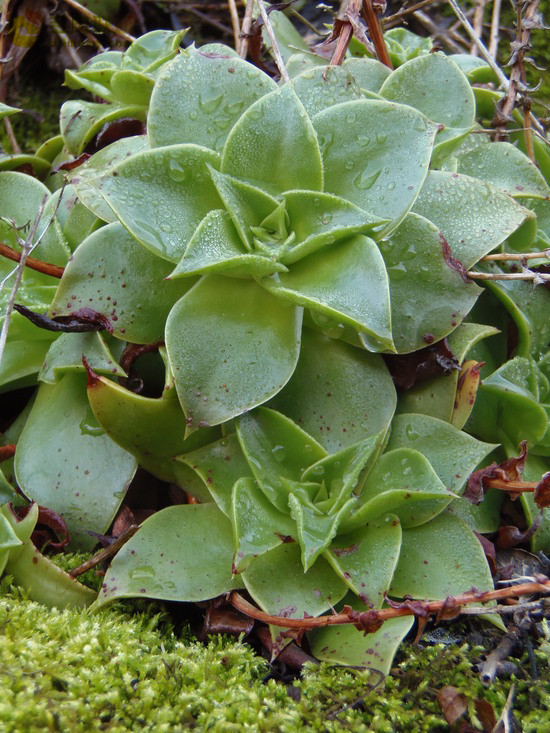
(452, 703)
(509, 470)
(542, 491)
(486, 714)
(510, 536)
(115, 130)
(80, 321)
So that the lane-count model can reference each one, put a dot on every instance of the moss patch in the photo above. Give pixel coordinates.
(126, 668)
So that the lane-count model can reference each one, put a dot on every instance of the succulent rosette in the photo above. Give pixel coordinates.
(270, 243)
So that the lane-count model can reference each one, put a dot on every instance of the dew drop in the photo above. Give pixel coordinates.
(366, 180)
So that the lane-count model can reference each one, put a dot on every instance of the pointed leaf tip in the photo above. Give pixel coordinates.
(92, 378)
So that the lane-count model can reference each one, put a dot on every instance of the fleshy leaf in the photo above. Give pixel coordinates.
(258, 525)
(277, 582)
(105, 159)
(448, 102)
(376, 155)
(530, 310)
(452, 453)
(131, 87)
(343, 644)
(65, 355)
(114, 275)
(200, 95)
(439, 559)
(151, 429)
(42, 580)
(6, 110)
(161, 195)
(323, 86)
(320, 219)
(315, 530)
(80, 121)
(65, 461)
(341, 472)
(369, 74)
(338, 394)
(21, 198)
(473, 217)
(346, 283)
(216, 247)
(247, 206)
(152, 49)
(219, 464)
(260, 150)
(437, 396)
(519, 414)
(366, 558)
(275, 448)
(402, 482)
(231, 347)
(428, 297)
(506, 168)
(194, 565)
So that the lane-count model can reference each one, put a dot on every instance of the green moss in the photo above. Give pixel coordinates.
(126, 668)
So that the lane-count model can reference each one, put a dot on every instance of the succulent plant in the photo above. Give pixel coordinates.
(280, 252)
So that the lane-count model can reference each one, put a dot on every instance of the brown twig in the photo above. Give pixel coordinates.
(541, 584)
(246, 28)
(477, 22)
(372, 19)
(106, 553)
(45, 268)
(392, 20)
(98, 20)
(514, 487)
(274, 45)
(495, 29)
(64, 38)
(517, 74)
(504, 256)
(235, 22)
(534, 276)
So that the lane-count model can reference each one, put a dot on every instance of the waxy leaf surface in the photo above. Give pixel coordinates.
(347, 284)
(64, 460)
(428, 297)
(175, 556)
(276, 580)
(257, 524)
(473, 217)
(452, 453)
(161, 195)
(338, 394)
(276, 448)
(231, 347)
(439, 559)
(260, 150)
(199, 96)
(402, 482)
(449, 101)
(506, 168)
(375, 154)
(366, 558)
(113, 274)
